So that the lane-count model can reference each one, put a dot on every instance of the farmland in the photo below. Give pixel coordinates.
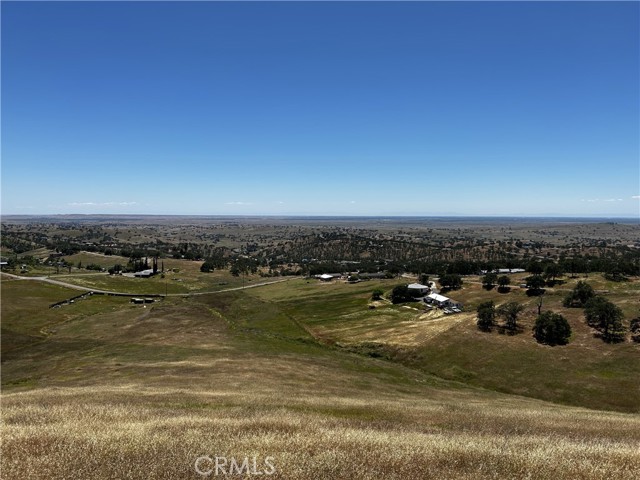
(315, 375)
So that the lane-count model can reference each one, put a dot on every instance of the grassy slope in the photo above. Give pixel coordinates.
(587, 372)
(123, 391)
(181, 276)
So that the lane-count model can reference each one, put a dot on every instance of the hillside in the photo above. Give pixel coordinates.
(107, 389)
(583, 373)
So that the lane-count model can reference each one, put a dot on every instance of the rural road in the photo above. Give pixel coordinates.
(127, 294)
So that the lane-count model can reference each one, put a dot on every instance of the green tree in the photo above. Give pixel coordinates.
(535, 283)
(503, 281)
(450, 280)
(607, 317)
(377, 294)
(489, 279)
(207, 266)
(535, 267)
(579, 296)
(400, 294)
(486, 315)
(551, 272)
(509, 312)
(552, 329)
(635, 329)
(615, 276)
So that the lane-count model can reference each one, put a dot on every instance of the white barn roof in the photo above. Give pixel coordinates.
(438, 298)
(417, 286)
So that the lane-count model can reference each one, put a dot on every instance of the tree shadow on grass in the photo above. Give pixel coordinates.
(504, 330)
(535, 292)
(611, 338)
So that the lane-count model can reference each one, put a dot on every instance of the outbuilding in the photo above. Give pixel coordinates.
(417, 289)
(441, 301)
(144, 273)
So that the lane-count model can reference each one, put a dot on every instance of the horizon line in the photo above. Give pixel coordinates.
(253, 215)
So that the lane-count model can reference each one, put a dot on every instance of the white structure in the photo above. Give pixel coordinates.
(144, 273)
(325, 277)
(441, 301)
(418, 288)
(504, 270)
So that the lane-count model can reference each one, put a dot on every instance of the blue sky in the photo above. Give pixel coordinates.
(323, 108)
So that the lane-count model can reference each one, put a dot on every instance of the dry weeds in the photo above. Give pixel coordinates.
(139, 432)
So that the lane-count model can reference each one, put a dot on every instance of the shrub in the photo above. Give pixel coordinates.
(207, 267)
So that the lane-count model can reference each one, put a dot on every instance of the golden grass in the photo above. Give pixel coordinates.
(137, 393)
(140, 432)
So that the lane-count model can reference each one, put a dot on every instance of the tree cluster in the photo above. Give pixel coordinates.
(579, 296)
(401, 294)
(509, 312)
(451, 281)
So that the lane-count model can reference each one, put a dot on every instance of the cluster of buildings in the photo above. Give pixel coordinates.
(435, 299)
(426, 292)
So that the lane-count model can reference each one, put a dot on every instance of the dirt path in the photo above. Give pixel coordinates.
(126, 294)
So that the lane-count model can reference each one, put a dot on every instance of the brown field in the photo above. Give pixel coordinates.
(107, 389)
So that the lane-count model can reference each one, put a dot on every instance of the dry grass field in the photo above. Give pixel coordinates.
(587, 372)
(181, 276)
(105, 389)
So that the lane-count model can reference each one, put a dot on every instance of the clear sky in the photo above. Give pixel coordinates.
(323, 108)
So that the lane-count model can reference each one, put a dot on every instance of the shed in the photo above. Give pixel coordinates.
(439, 300)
